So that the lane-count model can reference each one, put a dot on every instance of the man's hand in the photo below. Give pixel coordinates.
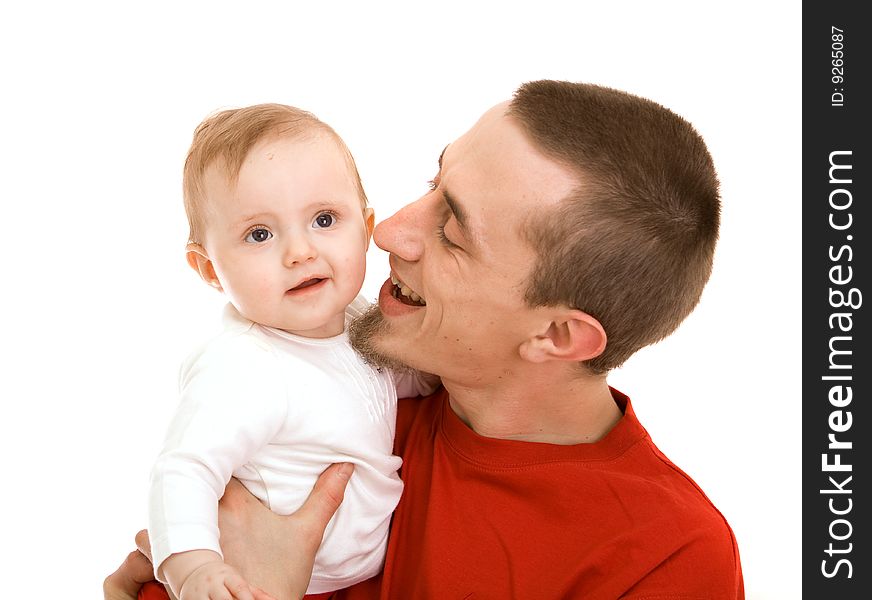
(276, 553)
(273, 552)
(125, 582)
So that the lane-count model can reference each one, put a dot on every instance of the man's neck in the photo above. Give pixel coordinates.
(552, 406)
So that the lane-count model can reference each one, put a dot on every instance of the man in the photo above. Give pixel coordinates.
(567, 229)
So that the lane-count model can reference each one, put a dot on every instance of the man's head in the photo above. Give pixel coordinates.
(279, 217)
(633, 244)
(574, 223)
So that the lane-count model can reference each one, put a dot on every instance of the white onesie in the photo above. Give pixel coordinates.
(274, 410)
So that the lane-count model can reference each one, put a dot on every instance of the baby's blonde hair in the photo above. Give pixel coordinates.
(224, 139)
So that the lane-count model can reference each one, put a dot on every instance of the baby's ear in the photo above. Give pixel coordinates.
(199, 260)
(369, 221)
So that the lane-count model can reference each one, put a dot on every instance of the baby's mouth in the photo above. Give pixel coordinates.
(405, 294)
(307, 283)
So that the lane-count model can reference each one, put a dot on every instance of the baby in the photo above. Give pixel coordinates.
(279, 223)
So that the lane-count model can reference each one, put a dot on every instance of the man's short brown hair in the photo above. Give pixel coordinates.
(633, 245)
(225, 139)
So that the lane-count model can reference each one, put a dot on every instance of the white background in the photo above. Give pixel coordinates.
(99, 104)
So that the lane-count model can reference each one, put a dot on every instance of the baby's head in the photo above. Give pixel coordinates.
(278, 217)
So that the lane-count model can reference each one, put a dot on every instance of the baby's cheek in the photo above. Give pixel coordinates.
(255, 292)
(353, 267)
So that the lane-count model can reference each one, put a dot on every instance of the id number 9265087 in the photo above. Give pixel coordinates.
(837, 98)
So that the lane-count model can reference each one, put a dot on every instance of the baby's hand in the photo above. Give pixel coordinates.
(215, 580)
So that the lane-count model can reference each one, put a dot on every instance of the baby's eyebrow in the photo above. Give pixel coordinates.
(246, 219)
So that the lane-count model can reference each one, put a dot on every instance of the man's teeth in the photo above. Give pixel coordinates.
(406, 290)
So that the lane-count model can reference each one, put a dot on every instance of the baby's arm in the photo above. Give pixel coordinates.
(202, 575)
(232, 404)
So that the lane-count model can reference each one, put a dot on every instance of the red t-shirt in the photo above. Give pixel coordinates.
(488, 518)
(483, 518)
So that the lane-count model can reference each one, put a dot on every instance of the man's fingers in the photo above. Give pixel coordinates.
(144, 544)
(125, 582)
(325, 497)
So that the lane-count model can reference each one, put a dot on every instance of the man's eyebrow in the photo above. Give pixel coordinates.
(457, 210)
(460, 215)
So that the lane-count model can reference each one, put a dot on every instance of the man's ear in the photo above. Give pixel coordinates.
(572, 335)
(199, 260)
(369, 221)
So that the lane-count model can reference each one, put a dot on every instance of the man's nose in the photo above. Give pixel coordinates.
(402, 234)
(299, 249)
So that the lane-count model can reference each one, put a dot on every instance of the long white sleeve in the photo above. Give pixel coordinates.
(233, 402)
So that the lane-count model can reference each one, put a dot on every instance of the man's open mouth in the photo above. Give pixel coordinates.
(405, 294)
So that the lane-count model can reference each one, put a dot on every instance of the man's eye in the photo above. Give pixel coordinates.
(258, 235)
(324, 220)
(440, 232)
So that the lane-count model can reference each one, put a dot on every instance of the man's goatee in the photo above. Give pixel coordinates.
(363, 332)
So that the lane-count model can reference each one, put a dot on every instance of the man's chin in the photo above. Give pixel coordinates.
(363, 333)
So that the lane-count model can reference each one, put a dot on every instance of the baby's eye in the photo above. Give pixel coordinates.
(258, 235)
(324, 220)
